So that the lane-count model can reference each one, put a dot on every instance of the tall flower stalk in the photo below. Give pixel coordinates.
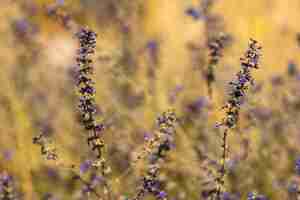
(239, 88)
(86, 91)
(87, 105)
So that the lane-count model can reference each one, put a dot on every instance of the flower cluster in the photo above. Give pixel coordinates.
(239, 88)
(86, 90)
(7, 187)
(161, 140)
(151, 183)
(215, 46)
(240, 85)
(166, 126)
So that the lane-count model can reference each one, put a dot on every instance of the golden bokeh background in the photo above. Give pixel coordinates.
(37, 90)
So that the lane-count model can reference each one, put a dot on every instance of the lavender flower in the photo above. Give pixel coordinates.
(239, 88)
(87, 105)
(150, 182)
(193, 12)
(197, 105)
(161, 140)
(8, 154)
(240, 85)
(215, 46)
(7, 187)
(214, 38)
(152, 46)
(86, 90)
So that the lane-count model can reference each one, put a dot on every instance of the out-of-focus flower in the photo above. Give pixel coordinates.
(240, 85)
(175, 92)
(8, 154)
(297, 166)
(292, 68)
(196, 106)
(254, 196)
(292, 187)
(193, 12)
(277, 80)
(7, 187)
(85, 166)
(60, 2)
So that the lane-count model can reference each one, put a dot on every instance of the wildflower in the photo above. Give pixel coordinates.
(215, 46)
(197, 106)
(86, 90)
(232, 109)
(7, 187)
(8, 154)
(215, 41)
(292, 187)
(152, 46)
(22, 26)
(163, 143)
(174, 93)
(240, 85)
(194, 13)
(152, 50)
(53, 173)
(151, 184)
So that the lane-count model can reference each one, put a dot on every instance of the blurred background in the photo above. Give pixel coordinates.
(150, 56)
